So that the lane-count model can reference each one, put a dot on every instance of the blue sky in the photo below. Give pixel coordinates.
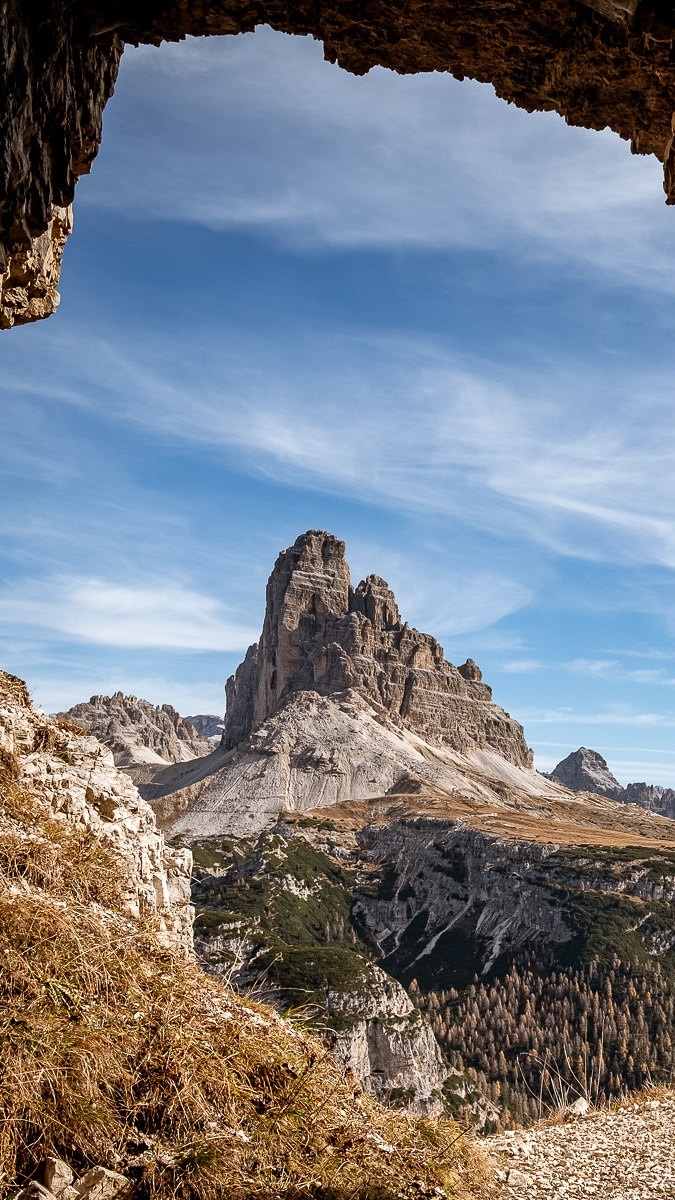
(392, 307)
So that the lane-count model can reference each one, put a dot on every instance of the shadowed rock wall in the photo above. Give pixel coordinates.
(599, 63)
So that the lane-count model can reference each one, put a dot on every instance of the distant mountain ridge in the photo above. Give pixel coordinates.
(138, 732)
(210, 725)
(586, 771)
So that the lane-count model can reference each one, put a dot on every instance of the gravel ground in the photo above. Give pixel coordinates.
(626, 1153)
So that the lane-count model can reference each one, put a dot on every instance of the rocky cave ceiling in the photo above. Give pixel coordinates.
(598, 63)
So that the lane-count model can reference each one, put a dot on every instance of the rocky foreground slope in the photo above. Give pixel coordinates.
(625, 1153)
(117, 1052)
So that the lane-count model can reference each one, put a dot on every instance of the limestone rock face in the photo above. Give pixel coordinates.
(320, 634)
(76, 776)
(586, 771)
(30, 273)
(341, 700)
(598, 63)
(139, 732)
(651, 797)
(316, 751)
(388, 1045)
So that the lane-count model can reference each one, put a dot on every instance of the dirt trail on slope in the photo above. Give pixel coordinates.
(625, 1153)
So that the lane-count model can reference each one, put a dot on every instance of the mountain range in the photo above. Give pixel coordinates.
(372, 842)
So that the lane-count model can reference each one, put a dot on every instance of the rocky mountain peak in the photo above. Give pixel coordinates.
(374, 599)
(322, 635)
(139, 732)
(586, 771)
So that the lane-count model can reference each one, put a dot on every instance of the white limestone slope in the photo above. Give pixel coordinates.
(317, 751)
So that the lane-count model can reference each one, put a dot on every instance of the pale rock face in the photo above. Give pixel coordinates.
(31, 273)
(389, 1047)
(77, 778)
(210, 726)
(138, 732)
(316, 752)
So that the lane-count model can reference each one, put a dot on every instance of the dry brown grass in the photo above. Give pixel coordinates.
(114, 1050)
(583, 820)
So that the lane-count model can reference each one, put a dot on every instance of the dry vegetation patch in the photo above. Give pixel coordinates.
(115, 1050)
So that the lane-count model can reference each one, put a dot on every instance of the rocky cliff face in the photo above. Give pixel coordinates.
(598, 63)
(275, 914)
(315, 910)
(75, 777)
(139, 732)
(650, 797)
(384, 1040)
(586, 771)
(322, 635)
(340, 700)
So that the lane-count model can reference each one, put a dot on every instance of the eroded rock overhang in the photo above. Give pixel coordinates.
(598, 63)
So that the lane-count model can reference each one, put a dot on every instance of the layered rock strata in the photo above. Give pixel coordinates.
(75, 776)
(340, 700)
(322, 635)
(139, 732)
(598, 63)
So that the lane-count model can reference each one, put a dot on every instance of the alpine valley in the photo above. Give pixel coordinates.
(373, 848)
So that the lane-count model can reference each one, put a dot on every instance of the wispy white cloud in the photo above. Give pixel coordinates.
(258, 132)
(613, 669)
(522, 666)
(160, 613)
(540, 453)
(567, 716)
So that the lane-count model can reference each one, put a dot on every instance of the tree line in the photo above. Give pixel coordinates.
(532, 1041)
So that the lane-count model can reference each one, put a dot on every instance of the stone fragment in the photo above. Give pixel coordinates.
(56, 1176)
(35, 1191)
(102, 1184)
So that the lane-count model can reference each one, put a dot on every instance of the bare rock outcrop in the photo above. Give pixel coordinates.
(76, 777)
(210, 726)
(387, 1043)
(598, 63)
(651, 797)
(587, 771)
(322, 635)
(139, 732)
(342, 700)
